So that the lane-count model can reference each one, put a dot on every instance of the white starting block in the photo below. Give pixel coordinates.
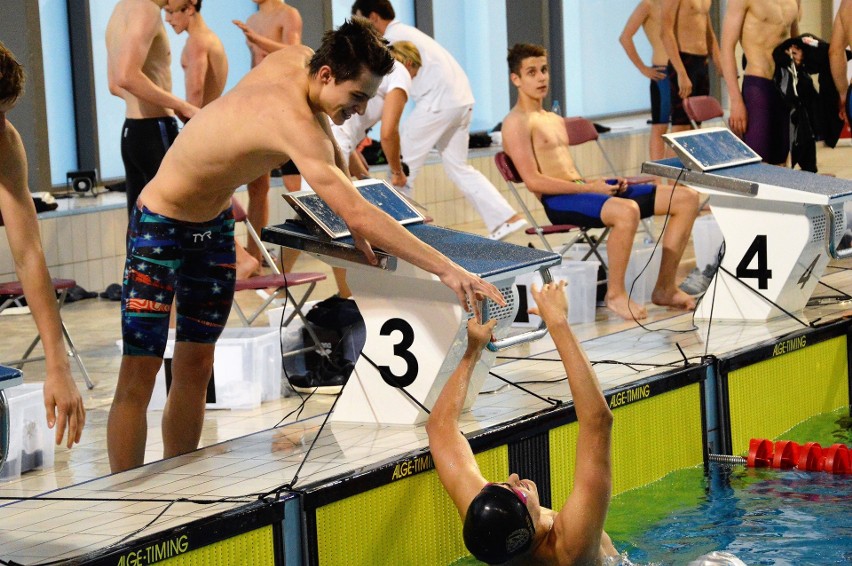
(781, 226)
(416, 329)
(9, 377)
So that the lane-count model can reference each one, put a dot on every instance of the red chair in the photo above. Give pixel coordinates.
(580, 131)
(281, 282)
(702, 109)
(579, 233)
(14, 291)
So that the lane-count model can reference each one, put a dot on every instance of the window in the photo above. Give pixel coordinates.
(481, 51)
(59, 95)
(599, 78)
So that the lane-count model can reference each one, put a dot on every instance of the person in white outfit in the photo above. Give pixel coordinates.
(441, 119)
(386, 106)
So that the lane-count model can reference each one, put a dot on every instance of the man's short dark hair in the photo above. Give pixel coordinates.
(521, 51)
(11, 76)
(197, 6)
(382, 7)
(350, 49)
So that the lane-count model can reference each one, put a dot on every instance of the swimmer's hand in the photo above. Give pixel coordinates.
(653, 73)
(684, 85)
(364, 247)
(738, 120)
(186, 112)
(478, 335)
(601, 186)
(469, 288)
(551, 304)
(251, 36)
(63, 404)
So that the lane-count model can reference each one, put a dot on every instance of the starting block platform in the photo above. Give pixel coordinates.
(416, 328)
(781, 227)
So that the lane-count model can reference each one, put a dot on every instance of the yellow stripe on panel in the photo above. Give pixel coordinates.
(404, 522)
(768, 398)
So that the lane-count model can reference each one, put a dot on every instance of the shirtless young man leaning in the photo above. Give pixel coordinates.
(648, 15)
(537, 142)
(689, 40)
(841, 37)
(181, 236)
(138, 69)
(759, 113)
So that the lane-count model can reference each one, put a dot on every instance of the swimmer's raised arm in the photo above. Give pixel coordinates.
(579, 524)
(453, 457)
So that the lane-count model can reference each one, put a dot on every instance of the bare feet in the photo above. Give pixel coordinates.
(674, 298)
(626, 308)
(247, 266)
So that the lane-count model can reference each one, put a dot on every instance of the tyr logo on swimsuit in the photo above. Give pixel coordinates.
(201, 236)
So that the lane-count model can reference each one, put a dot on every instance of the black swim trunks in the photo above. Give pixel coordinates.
(144, 143)
(696, 70)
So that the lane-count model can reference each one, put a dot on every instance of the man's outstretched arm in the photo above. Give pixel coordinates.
(451, 452)
(579, 525)
(62, 401)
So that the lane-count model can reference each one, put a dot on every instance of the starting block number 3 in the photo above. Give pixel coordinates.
(400, 350)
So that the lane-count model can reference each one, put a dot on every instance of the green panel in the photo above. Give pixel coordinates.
(412, 521)
(248, 549)
(650, 438)
(770, 397)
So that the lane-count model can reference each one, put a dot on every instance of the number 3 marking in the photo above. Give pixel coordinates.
(400, 350)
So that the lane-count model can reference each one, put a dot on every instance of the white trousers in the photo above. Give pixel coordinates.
(448, 131)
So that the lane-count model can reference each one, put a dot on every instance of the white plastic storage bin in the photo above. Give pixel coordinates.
(246, 370)
(640, 256)
(706, 239)
(580, 291)
(31, 442)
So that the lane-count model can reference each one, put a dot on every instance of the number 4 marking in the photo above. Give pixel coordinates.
(763, 274)
(803, 280)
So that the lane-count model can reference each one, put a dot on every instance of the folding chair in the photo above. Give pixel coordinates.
(580, 233)
(276, 280)
(580, 131)
(15, 292)
(702, 109)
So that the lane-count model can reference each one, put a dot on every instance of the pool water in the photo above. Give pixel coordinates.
(762, 516)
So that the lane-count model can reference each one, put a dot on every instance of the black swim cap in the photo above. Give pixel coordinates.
(498, 526)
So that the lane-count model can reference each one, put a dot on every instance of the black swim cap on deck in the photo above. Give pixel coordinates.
(498, 526)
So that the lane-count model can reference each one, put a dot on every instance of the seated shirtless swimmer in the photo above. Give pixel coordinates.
(181, 241)
(537, 142)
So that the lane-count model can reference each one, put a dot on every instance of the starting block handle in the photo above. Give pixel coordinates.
(832, 244)
(528, 336)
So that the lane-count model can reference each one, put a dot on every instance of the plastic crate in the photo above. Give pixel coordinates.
(246, 370)
(706, 239)
(31, 442)
(642, 257)
(580, 291)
